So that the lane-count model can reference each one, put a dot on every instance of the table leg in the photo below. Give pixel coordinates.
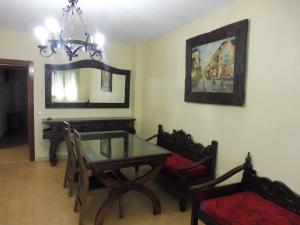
(54, 143)
(120, 187)
(151, 195)
(109, 201)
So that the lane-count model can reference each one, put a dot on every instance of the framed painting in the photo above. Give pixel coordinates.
(216, 64)
(106, 81)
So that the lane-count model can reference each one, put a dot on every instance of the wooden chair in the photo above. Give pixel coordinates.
(191, 163)
(72, 169)
(254, 200)
(87, 182)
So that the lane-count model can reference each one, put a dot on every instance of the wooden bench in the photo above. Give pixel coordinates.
(190, 164)
(254, 200)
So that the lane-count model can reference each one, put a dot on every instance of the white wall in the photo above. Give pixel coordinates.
(22, 46)
(268, 124)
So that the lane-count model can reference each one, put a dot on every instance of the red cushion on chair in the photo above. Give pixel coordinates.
(248, 208)
(176, 162)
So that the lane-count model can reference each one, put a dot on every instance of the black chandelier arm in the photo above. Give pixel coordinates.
(76, 50)
(69, 52)
(54, 46)
(44, 51)
(95, 53)
(70, 49)
(92, 50)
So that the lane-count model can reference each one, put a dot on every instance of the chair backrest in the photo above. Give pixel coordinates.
(181, 143)
(70, 143)
(84, 172)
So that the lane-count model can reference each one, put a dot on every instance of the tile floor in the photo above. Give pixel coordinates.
(16, 154)
(32, 194)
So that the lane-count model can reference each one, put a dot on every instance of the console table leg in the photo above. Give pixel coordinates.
(52, 151)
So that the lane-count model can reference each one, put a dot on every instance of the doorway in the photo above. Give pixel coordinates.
(16, 106)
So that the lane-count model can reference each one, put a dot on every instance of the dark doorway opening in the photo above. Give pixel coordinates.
(13, 108)
(16, 105)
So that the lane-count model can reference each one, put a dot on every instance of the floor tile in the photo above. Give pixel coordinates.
(32, 193)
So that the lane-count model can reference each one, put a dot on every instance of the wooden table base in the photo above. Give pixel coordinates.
(121, 187)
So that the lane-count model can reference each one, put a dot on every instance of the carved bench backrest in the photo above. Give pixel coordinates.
(181, 143)
(274, 191)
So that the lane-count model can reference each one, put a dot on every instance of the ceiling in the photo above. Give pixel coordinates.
(118, 20)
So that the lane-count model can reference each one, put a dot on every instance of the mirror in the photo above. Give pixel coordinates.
(86, 84)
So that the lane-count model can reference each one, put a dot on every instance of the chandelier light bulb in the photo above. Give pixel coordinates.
(52, 25)
(41, 33)
(99, 39)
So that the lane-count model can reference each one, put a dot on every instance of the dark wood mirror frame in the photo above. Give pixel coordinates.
(84, 64)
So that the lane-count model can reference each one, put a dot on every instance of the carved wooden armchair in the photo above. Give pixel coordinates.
(72, 168)
(255, 200)
(190, 164)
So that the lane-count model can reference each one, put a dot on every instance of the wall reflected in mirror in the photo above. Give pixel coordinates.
(87, 85)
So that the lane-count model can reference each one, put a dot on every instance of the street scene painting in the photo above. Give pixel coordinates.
(216, 66)
(213, 66)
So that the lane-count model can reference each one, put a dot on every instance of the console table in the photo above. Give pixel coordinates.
(54, 132)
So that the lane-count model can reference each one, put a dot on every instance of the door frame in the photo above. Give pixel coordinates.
(25, 65)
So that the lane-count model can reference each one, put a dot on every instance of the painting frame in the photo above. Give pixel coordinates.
(234, 93)
(106, 81)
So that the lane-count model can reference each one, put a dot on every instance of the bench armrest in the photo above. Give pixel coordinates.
(219, 179)
(196, 164)
(214, 192)
(152, 137)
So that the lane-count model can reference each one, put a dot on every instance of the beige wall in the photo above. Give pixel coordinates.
(22, 46)
(268, 124)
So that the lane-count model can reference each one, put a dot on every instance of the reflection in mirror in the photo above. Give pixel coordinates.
(87, 85)
(110, 148)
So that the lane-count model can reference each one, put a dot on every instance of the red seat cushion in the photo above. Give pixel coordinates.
(175, 162)
(248, 208)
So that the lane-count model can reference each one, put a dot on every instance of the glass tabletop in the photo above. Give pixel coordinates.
(117, 145)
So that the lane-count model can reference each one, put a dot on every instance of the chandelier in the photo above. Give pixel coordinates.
(56, 39)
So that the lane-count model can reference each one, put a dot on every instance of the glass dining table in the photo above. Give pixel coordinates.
(115, 150)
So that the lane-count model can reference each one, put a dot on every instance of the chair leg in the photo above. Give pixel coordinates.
(82, 208)
(136, 169)
(183, 196)
(121, 212)
(182, 204)
(82, 213)
(66, 179)
(194, 217)
(77, 205)
(194, 220)
(71, 188)
(71, 183)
